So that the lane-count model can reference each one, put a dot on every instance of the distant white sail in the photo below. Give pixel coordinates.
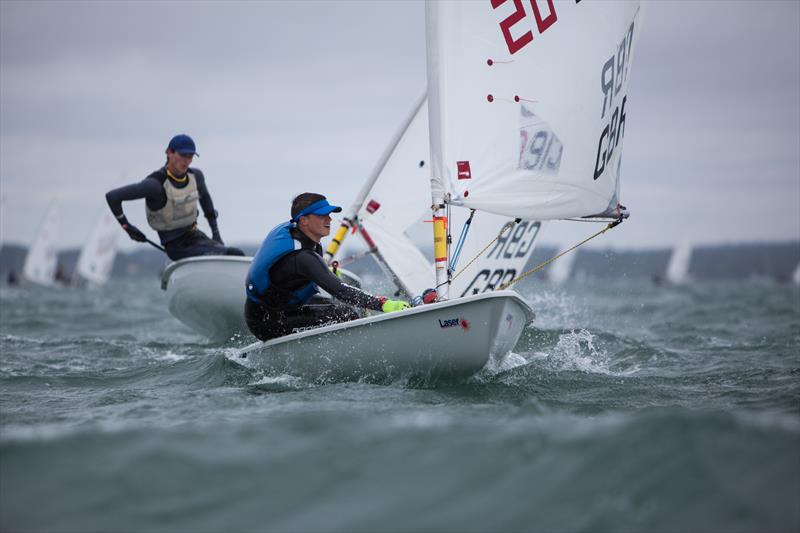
(97, 255)
(528, 104)
(796, 275)
(560, 270)
(42, 259)
(678, 267)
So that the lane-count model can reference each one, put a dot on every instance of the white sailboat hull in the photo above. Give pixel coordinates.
(447, 339)
(207, 293)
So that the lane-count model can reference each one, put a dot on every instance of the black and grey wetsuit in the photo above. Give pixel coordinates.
(274, 316)
(181, 242)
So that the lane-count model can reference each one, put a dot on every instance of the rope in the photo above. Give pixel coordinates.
(500, 234)
(565, 252)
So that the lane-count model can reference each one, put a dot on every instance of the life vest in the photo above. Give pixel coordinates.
(278, 243)
(180, 210)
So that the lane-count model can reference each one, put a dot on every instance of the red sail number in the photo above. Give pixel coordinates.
(514, 45)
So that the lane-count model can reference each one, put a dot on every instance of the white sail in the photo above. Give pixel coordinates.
(97, 255)
(388, 213)
(397, 200)
(505, 258)
(560, 270)
(528, 104)
(796, 275)
(42, 259)
(678, 267)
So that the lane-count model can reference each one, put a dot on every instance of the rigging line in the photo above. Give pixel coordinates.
(505, 228)
(542, 265)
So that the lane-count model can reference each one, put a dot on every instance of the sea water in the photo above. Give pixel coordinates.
(626, 406)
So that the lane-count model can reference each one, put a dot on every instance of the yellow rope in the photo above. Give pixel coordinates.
(503, 230)
(565, 252)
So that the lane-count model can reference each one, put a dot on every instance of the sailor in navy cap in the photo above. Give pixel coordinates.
(288, 271)
(171, 196)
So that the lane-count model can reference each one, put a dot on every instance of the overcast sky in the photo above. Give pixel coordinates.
(287, 97)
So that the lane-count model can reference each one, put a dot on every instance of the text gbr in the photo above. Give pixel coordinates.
(517, 245)
(612, 78)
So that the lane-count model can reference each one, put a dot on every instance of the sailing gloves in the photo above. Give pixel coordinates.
(132, 231)
(394, 305)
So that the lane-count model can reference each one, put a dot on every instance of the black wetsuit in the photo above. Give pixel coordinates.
(182, 242)
(274, 317)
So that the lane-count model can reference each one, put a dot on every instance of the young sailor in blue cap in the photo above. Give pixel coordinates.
(288, 270)
(171, 196)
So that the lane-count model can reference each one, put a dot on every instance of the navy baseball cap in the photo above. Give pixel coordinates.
(322, 207)
(183, 144)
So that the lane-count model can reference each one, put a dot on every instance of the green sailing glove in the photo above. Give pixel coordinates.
(390, 306)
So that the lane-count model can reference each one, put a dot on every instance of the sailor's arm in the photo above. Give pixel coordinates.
(207, 204)
(312, 266)
(148, 189)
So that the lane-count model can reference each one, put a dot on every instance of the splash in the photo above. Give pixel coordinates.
(577, 351)
(280, 383)
(496, 366)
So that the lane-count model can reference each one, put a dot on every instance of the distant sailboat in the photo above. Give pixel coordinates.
(796, 275)
(97, 255)
(678, 267)
(41, 262)
(561, 269)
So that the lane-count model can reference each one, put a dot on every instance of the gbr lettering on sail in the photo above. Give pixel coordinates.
(519, 30)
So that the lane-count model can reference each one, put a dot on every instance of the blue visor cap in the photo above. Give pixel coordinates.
(183, 144)
(321, 207)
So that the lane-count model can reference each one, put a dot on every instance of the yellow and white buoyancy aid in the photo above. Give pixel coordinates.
(181, 207)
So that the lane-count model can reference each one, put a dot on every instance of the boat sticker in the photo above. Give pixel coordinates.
(464, 171)
(453, 322)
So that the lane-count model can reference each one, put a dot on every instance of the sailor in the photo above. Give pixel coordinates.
(287, 271)
(171, 196)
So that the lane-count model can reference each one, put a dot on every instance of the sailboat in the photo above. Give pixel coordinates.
(97, 254)
(526, 115)
(561, 270)
(41, 263)
(679, 261)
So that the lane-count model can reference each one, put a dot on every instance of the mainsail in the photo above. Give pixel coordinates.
(42, 259)
(528, 104)
(97, 255)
